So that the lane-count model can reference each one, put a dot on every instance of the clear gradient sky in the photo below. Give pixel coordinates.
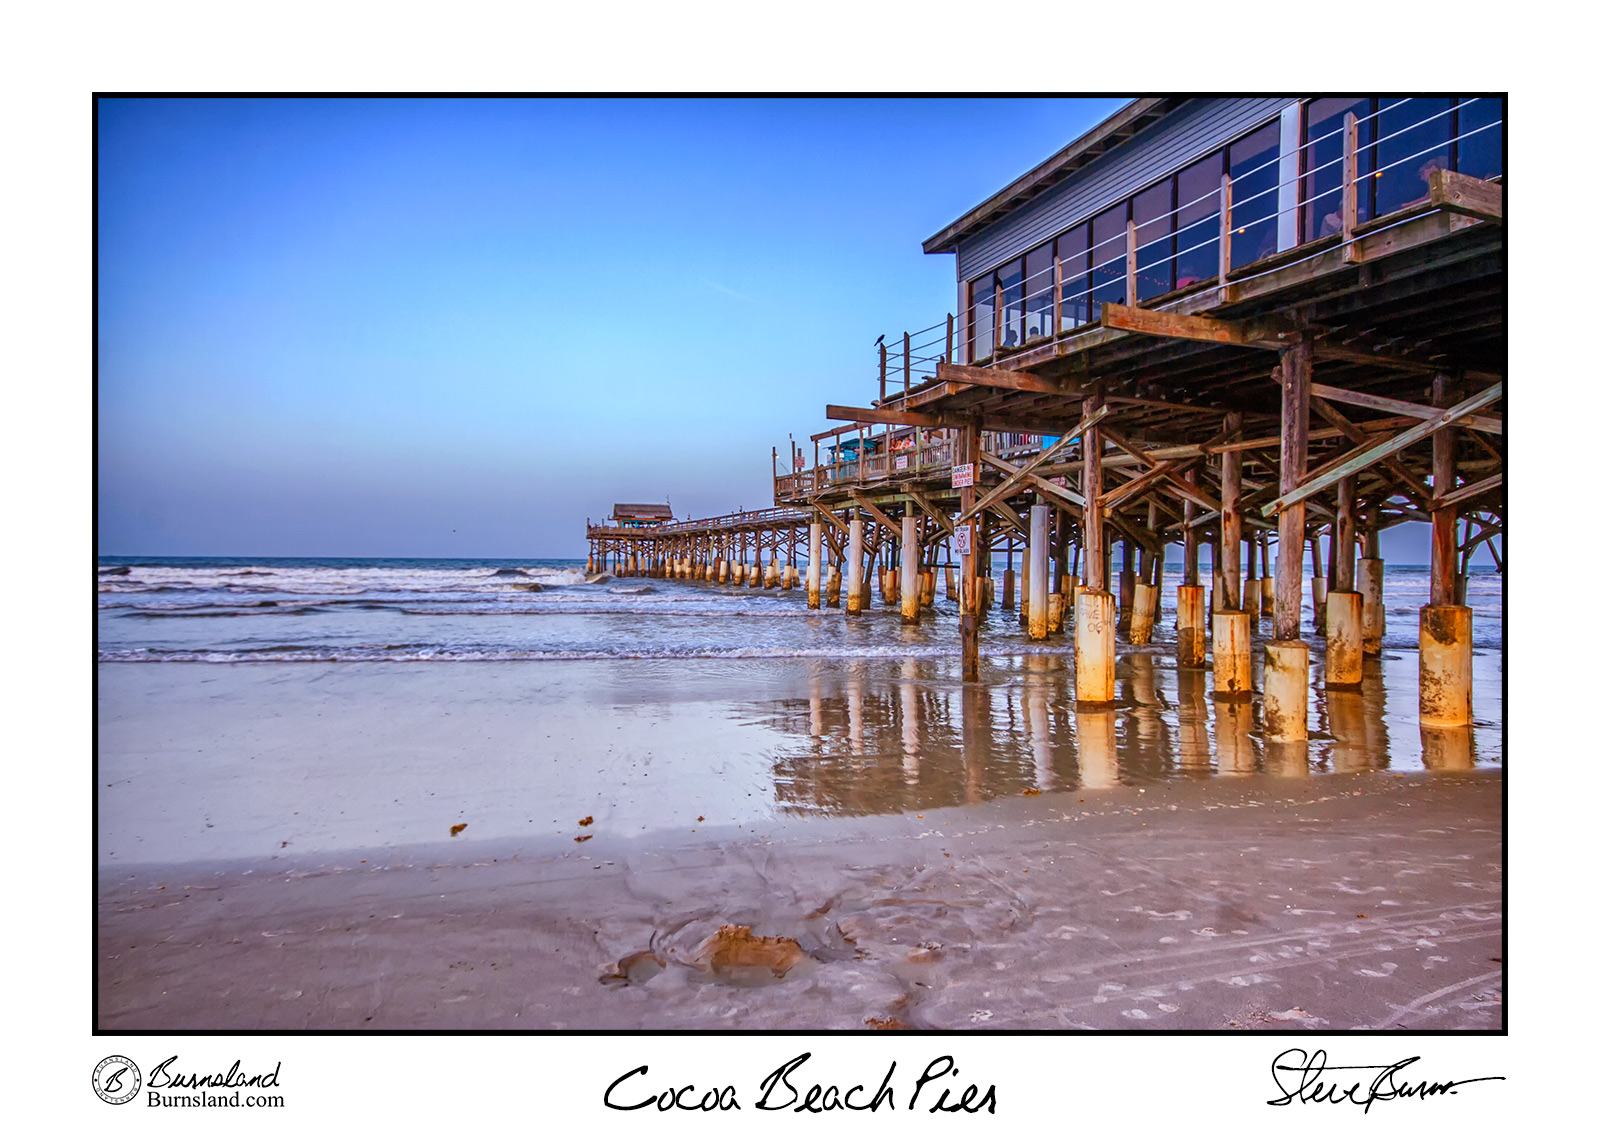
(459, 327)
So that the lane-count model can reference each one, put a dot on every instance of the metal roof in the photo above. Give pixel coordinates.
(622, 510)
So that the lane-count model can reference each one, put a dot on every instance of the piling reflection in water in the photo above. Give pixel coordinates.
(1448, 749)
(909, 735)
(1194, 734)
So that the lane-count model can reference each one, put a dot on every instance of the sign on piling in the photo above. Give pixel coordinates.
(961, 476)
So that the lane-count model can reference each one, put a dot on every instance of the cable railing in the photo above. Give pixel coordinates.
(1032, 307)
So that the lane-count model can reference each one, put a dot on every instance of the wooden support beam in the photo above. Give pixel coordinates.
(831, 516)
(881, 415)
(1471, 489)
(1000, 378)
(1466, 195)
(1131, 489)
(1066, 498)
(1493, 424)
(1010, 484)
(1138, 452)
(878, 515)
(932, 510)
(1296, 425)
(1358, 436)
(1256, 332)
(1382, 450)
(1009, 514)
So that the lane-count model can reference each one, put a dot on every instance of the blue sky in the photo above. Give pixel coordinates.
(459, 327)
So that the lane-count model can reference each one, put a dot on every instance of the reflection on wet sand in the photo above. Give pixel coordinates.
(1194, 735)
(909, 735)
(1448, 749)
(1235, 720)
(1097, 748)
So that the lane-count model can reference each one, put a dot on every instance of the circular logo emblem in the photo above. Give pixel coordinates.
(116, 1080)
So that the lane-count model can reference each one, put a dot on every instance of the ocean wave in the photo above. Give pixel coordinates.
(443, 654)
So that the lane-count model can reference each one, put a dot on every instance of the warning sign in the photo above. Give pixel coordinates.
(961, 476)
(964, 540)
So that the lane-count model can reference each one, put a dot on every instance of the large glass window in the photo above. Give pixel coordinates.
(1108, 255)
(1152, 215)
(1010, 276)
(1073, 248)
(1039, 288)
(1199, 210)
(1253, 165)
(980, 318)
(1413, 140)
(1482, 133)
(1321, 191)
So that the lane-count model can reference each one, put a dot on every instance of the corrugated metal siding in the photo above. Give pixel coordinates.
(1190, 132)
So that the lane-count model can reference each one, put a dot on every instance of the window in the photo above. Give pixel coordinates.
(1073, 247)
(1010, 276)
(1152, 213)
(1413, 140)
(980, 318)
(1039, 288)
(1108, 255)
(1253, 165)
(1482, 137)
(1323, 162)
(1199, 212)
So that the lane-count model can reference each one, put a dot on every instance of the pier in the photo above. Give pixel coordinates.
(1279, 348)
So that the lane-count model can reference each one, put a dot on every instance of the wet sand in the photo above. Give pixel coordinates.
(275, 852)
(1322, 903)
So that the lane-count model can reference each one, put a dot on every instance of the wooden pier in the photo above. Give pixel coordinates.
(1318, 395)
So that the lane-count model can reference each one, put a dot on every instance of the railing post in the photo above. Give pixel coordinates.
(999, 312)
(1348, 211)
(907, 361)
(1055, 324)
(883, 374)
(1225, 244)
(1132, 268)
(949, 338)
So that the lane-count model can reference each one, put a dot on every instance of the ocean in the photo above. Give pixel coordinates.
(257, 609)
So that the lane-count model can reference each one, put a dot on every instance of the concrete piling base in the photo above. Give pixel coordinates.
(1095, 646)
(1008, 590)
(1444, 675)
(1252, 602)
(1057, 612)
(1191, 627)
(1319, 605)
(835, 582)
(929, 586)
(1342, 666)
(1230, 653)
(1142, 623)
(1285, 694)
(1369, 582)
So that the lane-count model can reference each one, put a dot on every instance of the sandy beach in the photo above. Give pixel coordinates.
(275, 851)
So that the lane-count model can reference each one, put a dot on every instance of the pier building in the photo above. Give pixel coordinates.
(1254, 327)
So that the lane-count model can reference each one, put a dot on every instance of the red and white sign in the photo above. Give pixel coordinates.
(963, 540)
(961, 476)
(899, 462)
